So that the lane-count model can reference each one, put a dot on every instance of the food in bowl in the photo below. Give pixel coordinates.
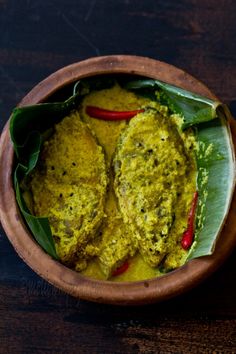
(122, 181)
(69, 187)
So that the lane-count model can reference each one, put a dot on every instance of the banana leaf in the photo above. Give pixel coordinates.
(194, 109)
(29, 126)
(39, 226)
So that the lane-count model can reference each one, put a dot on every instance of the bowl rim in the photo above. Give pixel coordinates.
(73, 283)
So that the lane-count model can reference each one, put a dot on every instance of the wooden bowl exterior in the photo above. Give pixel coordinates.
(126, 293)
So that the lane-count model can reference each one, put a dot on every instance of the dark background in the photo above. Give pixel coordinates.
(39, 37)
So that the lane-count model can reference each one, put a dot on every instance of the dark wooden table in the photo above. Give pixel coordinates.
(39, 37)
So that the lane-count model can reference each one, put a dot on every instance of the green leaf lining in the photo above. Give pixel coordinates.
(27, 130)
(29, 127)
(216, 179)
(194, 108)
(39, 227)
(215, 159)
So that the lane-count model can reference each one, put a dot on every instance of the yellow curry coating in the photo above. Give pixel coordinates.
(116, 241)
(141, 214)
(116, 99)
(151, 170)
(108, 133)
(69, 187)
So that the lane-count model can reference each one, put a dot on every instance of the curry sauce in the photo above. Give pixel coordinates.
(131, 189)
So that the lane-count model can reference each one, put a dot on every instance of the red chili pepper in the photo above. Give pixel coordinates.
(188, 235)
(106, 114)
(121, 269)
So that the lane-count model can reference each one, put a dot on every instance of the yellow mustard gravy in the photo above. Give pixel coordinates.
(108, 134)
(117, 191)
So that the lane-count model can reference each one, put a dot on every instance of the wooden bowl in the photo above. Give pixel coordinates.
(140, 292)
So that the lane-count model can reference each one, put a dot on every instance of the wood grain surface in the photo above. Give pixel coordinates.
(39, 37)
